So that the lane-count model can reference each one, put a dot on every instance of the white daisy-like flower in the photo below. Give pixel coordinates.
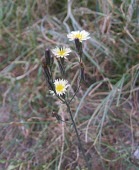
(81, 35)
(60, 86)
(61, 52)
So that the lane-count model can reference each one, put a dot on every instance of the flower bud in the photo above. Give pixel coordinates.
(48, 58)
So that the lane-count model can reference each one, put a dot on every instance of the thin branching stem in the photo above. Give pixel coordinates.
(77, 134)
(74, 94)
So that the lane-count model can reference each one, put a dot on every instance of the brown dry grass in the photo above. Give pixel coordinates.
(106, 108)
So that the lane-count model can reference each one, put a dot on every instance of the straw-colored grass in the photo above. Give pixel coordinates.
(106, 108)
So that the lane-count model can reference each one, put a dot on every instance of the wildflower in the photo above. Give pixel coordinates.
(81, 35)
(61, 52)
(60, 86)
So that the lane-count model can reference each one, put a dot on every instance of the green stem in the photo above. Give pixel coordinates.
(77, 134)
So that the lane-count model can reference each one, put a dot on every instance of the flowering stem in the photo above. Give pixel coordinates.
(77, 134)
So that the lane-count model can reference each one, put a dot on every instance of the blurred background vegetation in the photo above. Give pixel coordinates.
(106, 108)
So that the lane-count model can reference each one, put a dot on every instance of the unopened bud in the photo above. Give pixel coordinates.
(46, 70)
(48, 57)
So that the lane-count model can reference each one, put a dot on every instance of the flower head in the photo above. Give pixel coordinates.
(60, 86)
(61, 52)
(81, 35)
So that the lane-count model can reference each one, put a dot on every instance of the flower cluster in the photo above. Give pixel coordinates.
(63, 52)
(59, 86)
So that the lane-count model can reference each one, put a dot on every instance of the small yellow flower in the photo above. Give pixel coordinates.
(81, 35)
(60, 86)
(61, 52)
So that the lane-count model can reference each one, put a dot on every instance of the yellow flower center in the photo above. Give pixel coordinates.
(61, 52)
(79, 36)
(60, 88)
